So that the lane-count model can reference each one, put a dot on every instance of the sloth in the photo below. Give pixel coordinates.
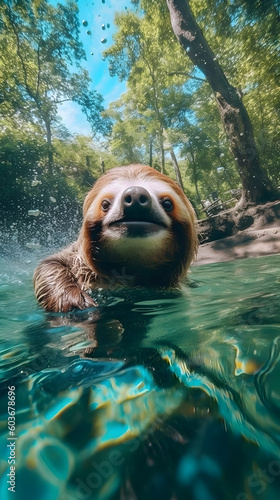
(138, 230)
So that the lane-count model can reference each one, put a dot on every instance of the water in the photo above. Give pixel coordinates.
(148, 396)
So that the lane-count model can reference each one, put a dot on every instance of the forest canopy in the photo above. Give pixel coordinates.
(169, 117)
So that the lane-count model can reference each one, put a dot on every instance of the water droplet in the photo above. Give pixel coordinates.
(35, 213)
(85, 23)
(103, 40)
(33, 245)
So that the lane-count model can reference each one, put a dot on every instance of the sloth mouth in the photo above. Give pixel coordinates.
(137, 228)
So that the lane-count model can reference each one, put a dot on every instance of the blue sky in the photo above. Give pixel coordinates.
(95, 13)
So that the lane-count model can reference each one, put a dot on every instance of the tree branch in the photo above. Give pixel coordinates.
(184, 73)
(25, 77)
(39, 73)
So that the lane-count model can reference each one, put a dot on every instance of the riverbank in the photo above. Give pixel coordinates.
(250, 243)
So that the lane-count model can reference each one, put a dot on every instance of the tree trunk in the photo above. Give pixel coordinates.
(50, 147)
(257, 187)
(174, 161)
(195, 178)
(102, 166)
(162, 152)
(151, 151)
(176, 168)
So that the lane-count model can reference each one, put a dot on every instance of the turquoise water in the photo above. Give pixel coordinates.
(153, 396)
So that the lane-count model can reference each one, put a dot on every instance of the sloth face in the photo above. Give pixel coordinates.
(138, 219)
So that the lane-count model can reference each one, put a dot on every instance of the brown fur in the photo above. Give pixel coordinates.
(61, 281)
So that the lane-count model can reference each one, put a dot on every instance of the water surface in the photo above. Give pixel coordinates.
(149, 395)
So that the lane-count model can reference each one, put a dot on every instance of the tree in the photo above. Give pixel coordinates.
(129, 133)
(257, 187)
(43, 41)
(243, 36)
(156, 95)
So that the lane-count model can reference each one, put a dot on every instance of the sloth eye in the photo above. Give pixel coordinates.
(167, 204)
(105, 205)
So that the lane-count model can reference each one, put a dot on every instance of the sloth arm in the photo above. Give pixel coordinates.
(60, 282)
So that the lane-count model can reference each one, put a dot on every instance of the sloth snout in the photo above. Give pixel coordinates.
(135, 200)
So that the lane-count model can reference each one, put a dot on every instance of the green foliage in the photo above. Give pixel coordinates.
(26, 184)
(243, 35)
(157, 98)
(20, 154)
(42, 40)
(165, 91)
(78, 160)
(167, 100)
(41, 166)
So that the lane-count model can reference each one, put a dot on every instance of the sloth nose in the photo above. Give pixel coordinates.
(135, 200)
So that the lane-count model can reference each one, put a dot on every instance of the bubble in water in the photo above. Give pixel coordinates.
(103, 1)
(88, 32)
(108, 25)
(92, 53)
(103, 40)
(85, 23)
(103, 26)
(35, 213)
